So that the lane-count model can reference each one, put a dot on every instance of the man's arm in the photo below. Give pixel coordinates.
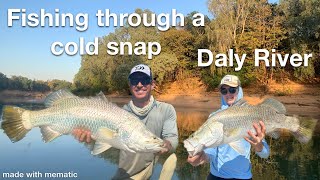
(170, 130)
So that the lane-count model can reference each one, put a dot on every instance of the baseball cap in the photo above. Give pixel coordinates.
(141, 68)
(230, 80)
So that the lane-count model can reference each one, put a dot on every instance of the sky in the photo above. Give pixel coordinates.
(26, 50)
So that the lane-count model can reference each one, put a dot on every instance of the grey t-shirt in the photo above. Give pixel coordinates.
(162, 121)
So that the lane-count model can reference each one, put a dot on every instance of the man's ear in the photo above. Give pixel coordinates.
(153, 84)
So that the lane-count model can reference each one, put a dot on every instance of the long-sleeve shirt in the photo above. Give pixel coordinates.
(225, 162)
(162, 121)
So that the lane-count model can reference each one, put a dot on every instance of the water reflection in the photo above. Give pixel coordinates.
(289, 159)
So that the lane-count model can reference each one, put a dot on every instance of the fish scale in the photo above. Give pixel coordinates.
(232, 124)
(109, 125)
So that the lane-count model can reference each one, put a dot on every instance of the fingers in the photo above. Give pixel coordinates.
(203, 158)
(252, 139)
(82, 135)
(247, 139)
(260, 130)
(193, 160)
(257, 128)
(197, 159)
(251, 135)
(76, 133)
(162, 151)
(263, 127)
(88, 137)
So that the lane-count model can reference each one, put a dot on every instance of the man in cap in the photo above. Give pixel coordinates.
(159, 117)
(225, 162)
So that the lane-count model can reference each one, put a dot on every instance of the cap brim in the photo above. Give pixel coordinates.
(140, 72)
(228, 84)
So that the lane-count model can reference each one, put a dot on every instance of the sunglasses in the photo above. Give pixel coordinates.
(143, 81)
(232, 90)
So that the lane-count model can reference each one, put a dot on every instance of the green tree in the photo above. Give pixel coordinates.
(56, 84)
(41, 86)
(230, 21)
(181, 43)
(303, 24)
(244, 25)
(164, 67)
(105, 72)
(3, 81)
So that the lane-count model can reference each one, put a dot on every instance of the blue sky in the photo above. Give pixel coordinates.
(26, 51)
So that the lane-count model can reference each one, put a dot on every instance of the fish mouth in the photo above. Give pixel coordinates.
(192, 148)
(155, 145)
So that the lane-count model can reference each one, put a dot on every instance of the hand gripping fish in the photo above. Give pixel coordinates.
(232, 124)
(110, 125)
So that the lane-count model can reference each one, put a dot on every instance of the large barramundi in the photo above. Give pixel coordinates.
(110, 125)
(232, 124)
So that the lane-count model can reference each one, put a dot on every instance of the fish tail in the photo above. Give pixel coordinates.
(305, 129)
(168, 167)
(15, 122)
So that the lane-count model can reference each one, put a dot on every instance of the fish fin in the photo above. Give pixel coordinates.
(54, 97)
(275, 104)
(274, 134)
(15, 122)
(238, 146)
(304, 133)
(111, 138)
(102, 97)
(105, 133)
(48, 134)
(168, 167)
(100, 147)
(241, 102)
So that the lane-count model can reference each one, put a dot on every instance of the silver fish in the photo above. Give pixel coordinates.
(232, 124)
(110, 125)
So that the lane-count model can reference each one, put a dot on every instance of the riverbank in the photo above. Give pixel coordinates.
(15, 96)
(191, 95)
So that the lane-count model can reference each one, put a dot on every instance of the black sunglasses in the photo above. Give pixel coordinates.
(144, 81)
(232, 90)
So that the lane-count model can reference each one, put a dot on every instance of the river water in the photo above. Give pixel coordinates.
(32, 157)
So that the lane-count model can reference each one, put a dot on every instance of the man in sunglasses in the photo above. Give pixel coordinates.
(225, 162)
(159, 117)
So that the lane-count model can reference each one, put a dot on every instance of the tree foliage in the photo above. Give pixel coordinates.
(25, 84)
(164, 67)
(293, 26)
(303, 24)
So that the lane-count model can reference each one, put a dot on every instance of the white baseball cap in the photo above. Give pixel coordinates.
(230, 80)
(141, 68)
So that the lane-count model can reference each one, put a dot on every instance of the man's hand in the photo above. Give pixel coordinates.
(166, 147)
(198, 159)
(256, 140)
(82, 135)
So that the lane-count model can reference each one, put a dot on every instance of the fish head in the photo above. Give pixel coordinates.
(145, 142)
(208, 135)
